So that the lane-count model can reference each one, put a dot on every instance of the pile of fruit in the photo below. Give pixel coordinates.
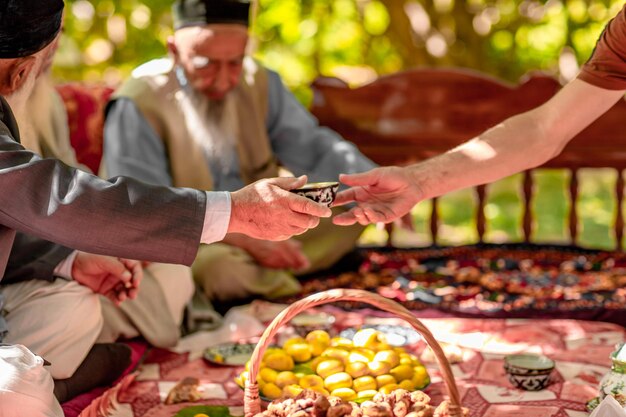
(353, 370)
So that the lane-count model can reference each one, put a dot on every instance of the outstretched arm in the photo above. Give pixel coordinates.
(520, 142)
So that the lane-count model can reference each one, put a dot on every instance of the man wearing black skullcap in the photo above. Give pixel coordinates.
(213, 119)
(119, 217)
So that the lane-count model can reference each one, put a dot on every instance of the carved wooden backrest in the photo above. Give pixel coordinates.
(414, 115)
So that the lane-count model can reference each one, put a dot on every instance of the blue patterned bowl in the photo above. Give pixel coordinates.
(528, 371)
(320, 192)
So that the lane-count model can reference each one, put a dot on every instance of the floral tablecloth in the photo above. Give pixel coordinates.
(581, 351)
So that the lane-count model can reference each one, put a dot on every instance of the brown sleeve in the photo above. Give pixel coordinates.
(607, 66)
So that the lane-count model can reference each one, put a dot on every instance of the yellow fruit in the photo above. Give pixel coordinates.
(389, 356)
(286, 378)
(322, 391)
(341, 342)
(337, 353)
(318, 336)
(420, 377)
(378, 368)
(247, 367)
(317, 348)
(407, 384)
(313, 364)
(328, 367)
(279, 361)
(367, 338)
(240, 382)
(366, 395)
(300, 352)
(383, 380)
(364, 383)
(387, 389)
(338, 380)
(311, 381)
(402, 372)
(268, 375)
(382, 346)
(345, 394)
(357, 369)
(361, 355)
(200, 415)
(271, 391)
(271, 350)
(291, 391)
(293, 341)
(405, 359)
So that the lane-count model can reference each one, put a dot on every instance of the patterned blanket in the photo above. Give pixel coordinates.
(580, 349)
(506, 281)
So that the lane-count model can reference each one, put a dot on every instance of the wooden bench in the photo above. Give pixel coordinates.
(414, 115)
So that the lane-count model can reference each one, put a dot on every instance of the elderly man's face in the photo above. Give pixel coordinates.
(212, 57)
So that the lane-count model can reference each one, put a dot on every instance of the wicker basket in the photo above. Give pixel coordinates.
(252, 402)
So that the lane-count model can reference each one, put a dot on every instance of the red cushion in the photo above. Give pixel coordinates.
(85, 106)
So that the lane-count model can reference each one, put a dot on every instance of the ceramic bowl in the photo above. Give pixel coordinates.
(307, 322)
(529, 371)
(320, 192)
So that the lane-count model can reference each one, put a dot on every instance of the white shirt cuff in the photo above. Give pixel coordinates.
(64, 268)
(217, 217)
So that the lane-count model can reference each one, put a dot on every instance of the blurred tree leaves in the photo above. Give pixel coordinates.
(355, 40)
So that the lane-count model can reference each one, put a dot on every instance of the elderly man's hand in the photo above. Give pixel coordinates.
(115, 278)
(382, 195)
(278, 255)
(267, 210)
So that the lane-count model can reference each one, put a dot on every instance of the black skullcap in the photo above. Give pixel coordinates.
(203, 12)
(27, 26)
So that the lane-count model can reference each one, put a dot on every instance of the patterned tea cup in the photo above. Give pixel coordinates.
(320, 192)
(529, 371)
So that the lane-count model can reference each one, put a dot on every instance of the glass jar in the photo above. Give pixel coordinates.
(614, 383)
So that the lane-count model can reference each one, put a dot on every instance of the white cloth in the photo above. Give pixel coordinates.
(609, 407)
(58, 320)
(26, 388)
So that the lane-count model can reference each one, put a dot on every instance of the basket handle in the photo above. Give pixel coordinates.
(252, 402)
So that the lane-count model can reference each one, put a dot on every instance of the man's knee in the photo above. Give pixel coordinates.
(177, 285)
(221, 269)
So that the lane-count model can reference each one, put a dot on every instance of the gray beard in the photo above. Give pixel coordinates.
(213, 125)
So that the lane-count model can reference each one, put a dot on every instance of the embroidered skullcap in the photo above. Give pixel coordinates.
(28, 26)
(204, 12)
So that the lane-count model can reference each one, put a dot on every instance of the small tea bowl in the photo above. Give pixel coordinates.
(529, 371)
(320, 192)
(307, 322)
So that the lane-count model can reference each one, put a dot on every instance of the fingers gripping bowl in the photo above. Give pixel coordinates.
(320, 192)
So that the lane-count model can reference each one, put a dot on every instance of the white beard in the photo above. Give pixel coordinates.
(213, 125)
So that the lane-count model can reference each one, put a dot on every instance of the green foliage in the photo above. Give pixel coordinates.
(353, 39)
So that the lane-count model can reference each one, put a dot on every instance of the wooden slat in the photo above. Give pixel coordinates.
(434, 221)
(619, 217)
(573, 213)
(414, 115)
(481, 192)
(527, 190)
